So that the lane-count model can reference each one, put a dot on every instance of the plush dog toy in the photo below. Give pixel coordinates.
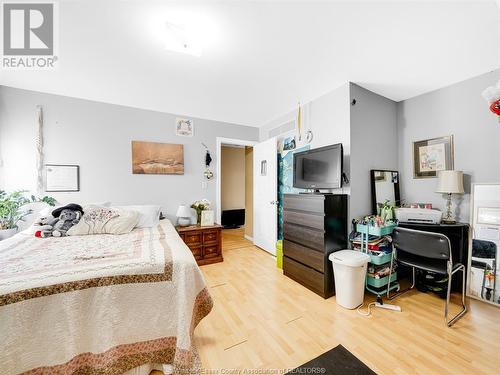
(64, 218)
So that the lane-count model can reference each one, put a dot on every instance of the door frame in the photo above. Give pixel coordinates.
(219, 142)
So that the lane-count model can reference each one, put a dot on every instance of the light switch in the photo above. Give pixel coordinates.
(204, 185)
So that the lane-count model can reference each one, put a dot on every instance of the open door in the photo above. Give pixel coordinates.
(265, 219)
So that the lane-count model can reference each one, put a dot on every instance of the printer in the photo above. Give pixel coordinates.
(418, 215)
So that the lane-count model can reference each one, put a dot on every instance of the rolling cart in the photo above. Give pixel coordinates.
(383, 285)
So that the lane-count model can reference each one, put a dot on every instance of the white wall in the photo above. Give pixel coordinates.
(327, 116)
(367, 131)
(457, 110)
(374, 144)
(97, 137)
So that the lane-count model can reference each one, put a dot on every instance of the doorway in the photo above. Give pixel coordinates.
(235, 187)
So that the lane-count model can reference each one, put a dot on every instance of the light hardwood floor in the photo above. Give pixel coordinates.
(262, 319)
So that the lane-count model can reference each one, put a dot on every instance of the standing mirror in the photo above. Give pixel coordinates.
(485, 247)
(385, 188)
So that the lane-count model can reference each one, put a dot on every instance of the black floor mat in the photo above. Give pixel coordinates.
(339, 361)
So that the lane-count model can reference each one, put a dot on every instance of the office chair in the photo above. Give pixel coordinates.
(429, 252)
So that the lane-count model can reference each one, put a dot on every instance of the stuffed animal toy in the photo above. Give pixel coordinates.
(65, 218)
(44, 225)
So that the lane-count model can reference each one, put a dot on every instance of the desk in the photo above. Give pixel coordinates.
(459, 239)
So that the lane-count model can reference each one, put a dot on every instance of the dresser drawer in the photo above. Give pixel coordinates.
(305, 255)
(303, 218)
(307, 276)
(304, 236)
(304, 203)
(210, 236)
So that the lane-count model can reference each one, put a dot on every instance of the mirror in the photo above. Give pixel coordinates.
(385, 187)
(485, 247)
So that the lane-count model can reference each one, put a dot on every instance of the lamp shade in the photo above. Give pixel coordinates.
(183, 211)
(450, 182)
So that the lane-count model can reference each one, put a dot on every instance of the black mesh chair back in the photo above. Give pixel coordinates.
(430, 252)
(424, 244)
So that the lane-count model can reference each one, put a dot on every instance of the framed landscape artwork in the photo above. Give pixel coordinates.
(157, 158)
(431, 156)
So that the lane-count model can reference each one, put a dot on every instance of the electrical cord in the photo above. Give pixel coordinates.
(369, 309)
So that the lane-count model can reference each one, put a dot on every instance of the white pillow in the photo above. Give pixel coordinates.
(36, 208)
(149, 215)
(102, 204)
(105, 220)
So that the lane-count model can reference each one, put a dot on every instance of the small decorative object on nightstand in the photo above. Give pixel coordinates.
(183, 216)
(450, 182)
(204, 242)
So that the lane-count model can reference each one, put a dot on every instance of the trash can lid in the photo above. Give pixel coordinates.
(350, 258)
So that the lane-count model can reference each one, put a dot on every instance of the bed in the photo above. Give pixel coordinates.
(100, 304)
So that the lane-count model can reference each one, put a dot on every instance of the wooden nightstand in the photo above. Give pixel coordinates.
(205, 242)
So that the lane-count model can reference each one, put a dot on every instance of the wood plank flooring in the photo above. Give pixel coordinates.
(262, 319)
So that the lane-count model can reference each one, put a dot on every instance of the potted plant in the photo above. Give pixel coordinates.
(200, 206)
(11, 211)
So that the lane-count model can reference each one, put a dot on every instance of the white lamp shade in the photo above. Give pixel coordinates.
(450, 182)
(183, 211)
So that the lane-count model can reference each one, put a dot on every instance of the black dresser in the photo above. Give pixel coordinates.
(314, 226)
(459, 240)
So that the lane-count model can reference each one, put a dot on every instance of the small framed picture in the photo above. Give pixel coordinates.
(207, 218)
(63, 178)
(184, 127)
(431, 156)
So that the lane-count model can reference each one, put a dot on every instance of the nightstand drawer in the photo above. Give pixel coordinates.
(197, 251)
(193, 238)
(211, 236)
(211, 251)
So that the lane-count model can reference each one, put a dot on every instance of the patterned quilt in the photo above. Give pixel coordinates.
(99, 304)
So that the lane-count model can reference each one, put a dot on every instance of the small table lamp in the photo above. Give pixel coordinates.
(183, 215)
(450, 182)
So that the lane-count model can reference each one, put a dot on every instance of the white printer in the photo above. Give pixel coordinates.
(418, 215)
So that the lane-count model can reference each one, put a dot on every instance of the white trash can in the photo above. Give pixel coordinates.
(349, 270)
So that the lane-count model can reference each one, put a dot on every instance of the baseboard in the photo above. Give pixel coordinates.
(248, 237)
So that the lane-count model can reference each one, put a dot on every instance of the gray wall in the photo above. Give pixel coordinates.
(373, 144)
(97, 137)
(457, 110)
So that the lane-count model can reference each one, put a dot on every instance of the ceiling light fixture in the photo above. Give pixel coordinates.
(182, 38)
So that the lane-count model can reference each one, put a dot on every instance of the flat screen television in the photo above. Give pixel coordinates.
(233, 218)
(319, 168)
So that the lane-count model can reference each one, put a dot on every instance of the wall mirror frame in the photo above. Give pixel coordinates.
(484, 246)
(385, 187)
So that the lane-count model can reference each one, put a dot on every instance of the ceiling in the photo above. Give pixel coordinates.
(260, 58)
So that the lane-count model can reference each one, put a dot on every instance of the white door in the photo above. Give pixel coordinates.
(265, 219)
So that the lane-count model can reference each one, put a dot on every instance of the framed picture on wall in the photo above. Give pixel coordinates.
(431, 156)
(184, 127)
(63, 178)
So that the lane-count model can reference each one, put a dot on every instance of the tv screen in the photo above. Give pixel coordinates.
(320, 168)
